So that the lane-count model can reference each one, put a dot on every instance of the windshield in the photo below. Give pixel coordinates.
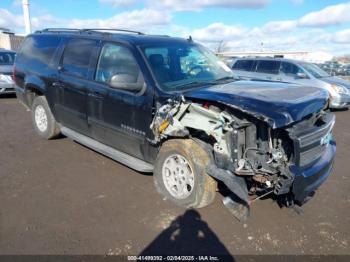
(182, 66)
(7, 58)
(314, 70)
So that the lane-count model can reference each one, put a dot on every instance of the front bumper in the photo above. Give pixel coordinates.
(7, 88)
(307, 180)
(341, 101)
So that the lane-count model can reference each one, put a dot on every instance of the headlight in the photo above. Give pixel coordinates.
(339, 89)
(5, 78)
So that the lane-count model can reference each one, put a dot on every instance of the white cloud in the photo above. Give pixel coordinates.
(217, 32)
(195, 5)
(9, 20)
(279, 26)
(342, 37)
(143, 19)
(331, 15)
(119, 3)
(299, 34)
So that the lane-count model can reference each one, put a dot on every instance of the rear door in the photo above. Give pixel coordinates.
(268, 70)
(74, 70)
(118, 117)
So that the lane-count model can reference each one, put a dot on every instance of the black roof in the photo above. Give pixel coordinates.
(133, 37)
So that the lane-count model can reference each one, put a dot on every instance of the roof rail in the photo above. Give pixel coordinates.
(112, 29)
(60, 29)
(88, 30)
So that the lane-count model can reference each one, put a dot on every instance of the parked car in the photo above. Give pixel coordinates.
(169, 106)
(7, 58)
(297, 72)
(345, 70)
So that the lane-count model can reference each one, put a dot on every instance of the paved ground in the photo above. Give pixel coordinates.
(58, 197)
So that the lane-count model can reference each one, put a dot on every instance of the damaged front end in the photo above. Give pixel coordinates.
(251, 157)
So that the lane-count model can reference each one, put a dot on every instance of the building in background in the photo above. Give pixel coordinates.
(9, 40)
(313, 57)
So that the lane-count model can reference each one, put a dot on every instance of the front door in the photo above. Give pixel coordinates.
(118, 117)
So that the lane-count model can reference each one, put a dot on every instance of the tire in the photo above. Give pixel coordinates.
(46, 129)
(203, 191)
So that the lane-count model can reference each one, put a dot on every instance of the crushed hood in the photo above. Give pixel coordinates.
(278, 104)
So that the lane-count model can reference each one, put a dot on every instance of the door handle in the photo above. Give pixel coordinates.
(57, 84)
(95, 95)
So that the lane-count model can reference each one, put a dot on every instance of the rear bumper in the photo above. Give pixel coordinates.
(307, 180)
(6, 88)
(341, 101)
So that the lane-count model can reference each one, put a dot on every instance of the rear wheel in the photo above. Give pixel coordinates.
(179, 174)
(44, 122)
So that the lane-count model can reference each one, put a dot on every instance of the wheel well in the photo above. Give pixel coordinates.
(31, 93)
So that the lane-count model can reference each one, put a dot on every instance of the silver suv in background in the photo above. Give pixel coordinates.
(296, 72)
(7, 59)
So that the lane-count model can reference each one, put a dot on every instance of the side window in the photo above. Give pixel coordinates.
(290, 69)
(117, 60)
(244, 65)
(268, 67)
(76, 57)
(40, 48)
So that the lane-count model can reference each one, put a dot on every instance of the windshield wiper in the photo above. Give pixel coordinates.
(224, 79)
(194, 84)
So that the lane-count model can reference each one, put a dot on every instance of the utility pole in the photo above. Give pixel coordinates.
(26, 16)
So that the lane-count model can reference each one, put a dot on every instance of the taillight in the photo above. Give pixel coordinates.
(14, 73)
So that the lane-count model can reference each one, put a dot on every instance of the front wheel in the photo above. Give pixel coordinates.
(179, 174)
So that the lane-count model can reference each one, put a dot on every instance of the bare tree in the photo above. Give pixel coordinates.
(221, 47)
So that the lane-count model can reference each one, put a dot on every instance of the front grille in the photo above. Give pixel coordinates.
(308, 156)
(310, 144)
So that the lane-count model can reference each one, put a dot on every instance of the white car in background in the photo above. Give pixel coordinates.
(296, 72)
(7, 58)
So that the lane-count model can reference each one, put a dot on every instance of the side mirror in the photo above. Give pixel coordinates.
(126, 82)
(302, 76)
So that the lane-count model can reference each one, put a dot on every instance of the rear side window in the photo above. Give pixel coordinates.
(244, 65)
(40, 48)
(76, 57)
(268, 67)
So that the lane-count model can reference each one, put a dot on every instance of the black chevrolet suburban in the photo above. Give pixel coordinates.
(169, 106)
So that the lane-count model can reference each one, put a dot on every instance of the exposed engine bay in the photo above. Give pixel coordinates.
(250, 157)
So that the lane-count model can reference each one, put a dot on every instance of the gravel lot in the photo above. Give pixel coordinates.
(58, 197)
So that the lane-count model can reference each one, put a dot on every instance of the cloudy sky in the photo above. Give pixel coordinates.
(244, 25)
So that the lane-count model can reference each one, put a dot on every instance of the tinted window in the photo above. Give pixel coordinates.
(40, 48)
(76, 57)
(290, 69)
(268, 67)
(114, 60)
(244, 65)
(7, 58)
